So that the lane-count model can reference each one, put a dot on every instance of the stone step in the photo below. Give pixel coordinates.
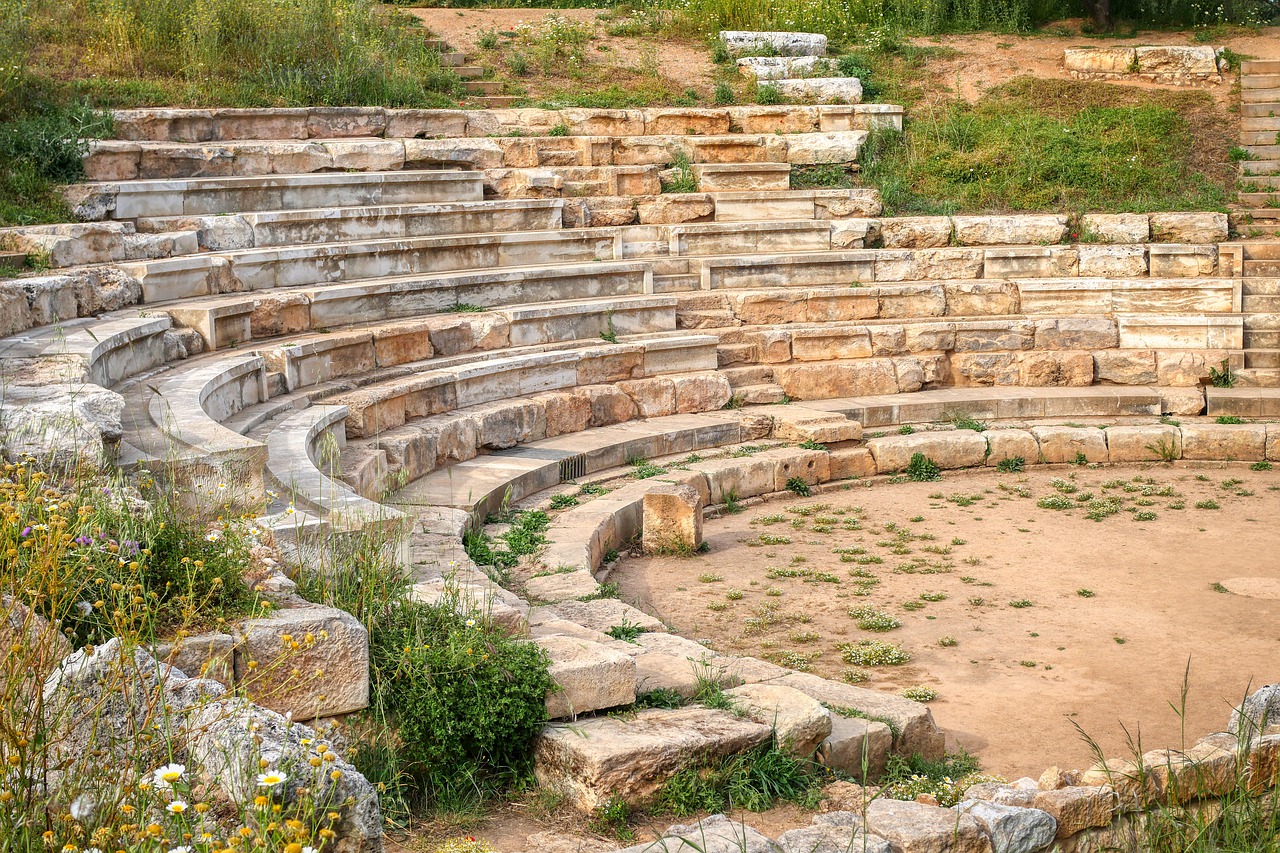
(1271, 123)
(13, 259)
(1261, 251)
(1268, 359)
(1259, 81)
(469, 72)
(754, 375)
(1271, 199)
(1261, 339)
(1258, 377)
(432, 42)
(453, 59)
(1260, 110)
(212, 196)
(1260, 95)
(1260, 167)
(1259, 66)
(742, 177)
(758, 395)
(1264, 152)
(495, 102)
(484, 87)
(1268, 268)
(1246, 402)
(1271, 181)
(1269, 303)
(1249, 138)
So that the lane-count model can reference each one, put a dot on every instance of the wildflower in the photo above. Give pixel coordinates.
(168, 774)
(81, 807)
(182, 849)
(271, 779)
(212, 536)
(176, 807)
(471, 623)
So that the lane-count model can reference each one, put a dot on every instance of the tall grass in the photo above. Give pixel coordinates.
(1051, 145)
(225, 52)
(854, 20)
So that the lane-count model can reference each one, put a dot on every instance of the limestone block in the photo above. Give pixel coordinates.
(916, 232)
(811, 466)
(1031, 262)
(1012, 829)
(1224, 442)
(1145, 443)
(830, 343)
(1117, 227)
(672, 520)
(1182, 260)
(61, 424)
(674, 208)
(465, 153)
(1125, 367)
(776, 43)
(311, 661)
(918, 828)
(562, 586)
(833, 832)
(827, 90)
(796, 423)
(589, 676)
(853, 233)
(677, 121)
(781, 68)
(1012, 444)
(996, 230)
(609, 404)
(1100, 60)
(1189, 227)
(701, 392)
(1204, 770)
(210, 655)
(602, 614)
(566, 411)
(1076, 333)
(1113, 261)
(927, 264)
(958, 448)
(1180, 401)
(1077, 808)
(654, 398)
(848, 463)
(1059, 444)
(836, 379)
(592, 122)
(1184, 368)
(984, 369)
(1273, 442)
(800, 723)
(982, 299)
(714, 834)
(781, 119)
(1177, 60)
(835, 147)
(1055, 368)
(857, 747)
(593, 760)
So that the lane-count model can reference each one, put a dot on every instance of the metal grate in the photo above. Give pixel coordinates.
(573, 467)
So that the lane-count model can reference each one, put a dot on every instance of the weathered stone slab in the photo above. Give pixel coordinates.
(959, 448)
(775, 43)
(1059, 444)
(593, 760)
(587, 675)
(918, 828)
(800, 723)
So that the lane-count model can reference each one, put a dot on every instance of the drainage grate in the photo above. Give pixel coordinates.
(573, 467)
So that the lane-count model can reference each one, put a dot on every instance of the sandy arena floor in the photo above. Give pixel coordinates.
(1058, 620)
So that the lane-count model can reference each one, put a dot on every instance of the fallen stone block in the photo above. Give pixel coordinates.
(919, 828)
(672, 520)
(776, 43)
(799, 722)
(587, 675)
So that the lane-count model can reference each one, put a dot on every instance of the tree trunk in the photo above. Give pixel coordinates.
(1100, 11)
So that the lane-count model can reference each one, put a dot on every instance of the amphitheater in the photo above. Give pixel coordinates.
(415, 320)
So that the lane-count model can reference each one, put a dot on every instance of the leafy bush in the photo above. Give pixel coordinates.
(945, 780)
(467, 700)
(922, 469)
(798, 486)
(870, 619)
(873, 653)
(752, 780)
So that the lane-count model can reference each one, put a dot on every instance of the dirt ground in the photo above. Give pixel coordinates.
(1113, 612)
(981, 62)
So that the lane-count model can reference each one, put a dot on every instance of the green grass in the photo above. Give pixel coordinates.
(1054, 145)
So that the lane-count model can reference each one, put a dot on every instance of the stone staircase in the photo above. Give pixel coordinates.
(364, 317)
(1260, 138)
(480, 92)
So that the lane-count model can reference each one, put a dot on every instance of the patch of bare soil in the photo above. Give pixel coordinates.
(679, 63)
(984, 61)
(1027, 621)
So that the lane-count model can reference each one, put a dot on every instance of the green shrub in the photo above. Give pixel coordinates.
(724, 95)
(870, 619)
(873, 653)
(1011, 465)
(922, 469)
(798, 486)
(754, 781)
(467, 700)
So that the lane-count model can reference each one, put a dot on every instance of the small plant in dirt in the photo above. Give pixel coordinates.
(1058, 502)
(870, 619)
(1019, 603)
(1222, 376)
(947, 642)
(873, 653)
(922, 469)
(710, 577)
(920, 694)
(734, 595)
(612, 818)
(1011, 465)
(663, 697)
(945, 780)
(1261, 466)
(563, 501)
(627, 631)
(1229, 420)
(933, 596)
(753, 780)
(797, 486)
(1084, 592)
(1210, 503)
(963, 420)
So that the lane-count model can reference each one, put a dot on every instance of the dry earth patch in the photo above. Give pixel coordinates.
(1030, 603)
